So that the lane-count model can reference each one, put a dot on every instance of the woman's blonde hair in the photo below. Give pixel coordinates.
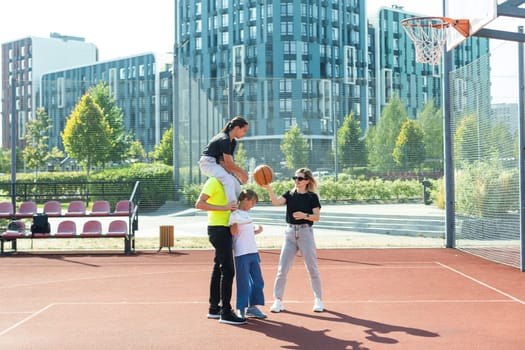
(312, 184)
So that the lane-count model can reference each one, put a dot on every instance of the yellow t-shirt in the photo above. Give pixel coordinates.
(214, 189)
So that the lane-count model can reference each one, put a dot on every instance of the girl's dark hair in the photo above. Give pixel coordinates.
(237, 121)
(248, 194)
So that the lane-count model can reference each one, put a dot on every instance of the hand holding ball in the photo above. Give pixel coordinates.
(263, 175)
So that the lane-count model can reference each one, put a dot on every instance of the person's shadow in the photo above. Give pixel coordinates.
(301, 337)
(318, 339)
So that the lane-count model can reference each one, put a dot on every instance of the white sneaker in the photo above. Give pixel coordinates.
(318, 305)
(277, 306)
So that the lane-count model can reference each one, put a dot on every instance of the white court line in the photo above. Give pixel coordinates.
(329, 302)
(34, 314)
(482, 283)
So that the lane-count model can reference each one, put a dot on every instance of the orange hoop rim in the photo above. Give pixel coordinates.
(461, 25)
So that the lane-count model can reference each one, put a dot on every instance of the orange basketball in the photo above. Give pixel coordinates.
(263, 175)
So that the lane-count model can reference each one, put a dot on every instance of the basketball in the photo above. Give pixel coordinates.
(263, 175)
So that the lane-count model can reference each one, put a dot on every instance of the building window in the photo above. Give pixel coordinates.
(165, 116)
(113, 82)
(286, 9)
(285, 86)
(165, 83)
(285, 104)
(290, 66)
(387, 85)
(198, 9)
(286, 28)
(238, 64)
(60, 92)
(289, 47)
(289, 122)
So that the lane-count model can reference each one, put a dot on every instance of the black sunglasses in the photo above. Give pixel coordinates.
(300, 178)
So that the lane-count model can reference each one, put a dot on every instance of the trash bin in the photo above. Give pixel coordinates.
(166, 237)
(427, 185)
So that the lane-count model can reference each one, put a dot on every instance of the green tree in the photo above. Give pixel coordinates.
(55, 156)
(500, 141)
(5, 161)
(409, 151)
(351, 148)
(381, 139)
(136, 151)
(241, 156)
(466, 147)
(431, 121)
(36, 152)
(164, 150)
(120, 140)
(295, 148)
(87, 134)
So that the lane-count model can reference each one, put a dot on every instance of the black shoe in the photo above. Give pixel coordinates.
(214, 313)
(229, 317)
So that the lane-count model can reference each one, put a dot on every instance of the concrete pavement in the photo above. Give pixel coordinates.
(189, 222)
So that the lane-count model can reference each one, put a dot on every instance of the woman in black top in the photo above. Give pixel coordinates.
(302, 210)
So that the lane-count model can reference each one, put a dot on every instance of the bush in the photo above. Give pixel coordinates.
(156, 182)
(342, 190)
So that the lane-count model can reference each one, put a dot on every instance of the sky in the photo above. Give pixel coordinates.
(122, 28)
(117, 27)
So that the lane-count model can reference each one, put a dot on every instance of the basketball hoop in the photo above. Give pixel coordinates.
(429, 35)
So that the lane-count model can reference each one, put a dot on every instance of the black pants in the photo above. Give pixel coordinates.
(223, 267)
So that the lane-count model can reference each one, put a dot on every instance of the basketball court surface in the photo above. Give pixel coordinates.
(374, 299)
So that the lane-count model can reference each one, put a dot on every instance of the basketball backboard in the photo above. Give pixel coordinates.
(478, 12)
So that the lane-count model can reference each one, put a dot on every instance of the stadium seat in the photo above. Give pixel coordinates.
(117, 228)
(76, 208)
(6, 210)
(52, 208)
(123, 208)
(26, 210)
(66, 229)
(15, 229)
(100, 208)
(92, 228)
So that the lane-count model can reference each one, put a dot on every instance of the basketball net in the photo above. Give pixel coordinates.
(429, 35)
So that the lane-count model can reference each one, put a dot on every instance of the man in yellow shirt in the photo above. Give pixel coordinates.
(213, 199)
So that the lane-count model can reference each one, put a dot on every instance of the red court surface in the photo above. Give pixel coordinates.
(374, 298)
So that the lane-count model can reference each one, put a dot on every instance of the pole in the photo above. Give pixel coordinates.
(230, 97)
(14, 125)
(334, 118)
(450, 229)
(175, 126)
(521, 126)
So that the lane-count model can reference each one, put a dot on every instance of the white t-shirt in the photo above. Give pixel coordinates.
(244, 242)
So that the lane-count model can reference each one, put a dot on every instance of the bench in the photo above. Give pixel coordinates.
(100, 222)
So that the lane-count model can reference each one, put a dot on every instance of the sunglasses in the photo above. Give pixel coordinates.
(299, 178)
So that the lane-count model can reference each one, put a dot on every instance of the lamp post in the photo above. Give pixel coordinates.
(14, 122)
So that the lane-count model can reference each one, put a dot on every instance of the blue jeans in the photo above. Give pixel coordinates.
(223, 267)
(249, 279)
